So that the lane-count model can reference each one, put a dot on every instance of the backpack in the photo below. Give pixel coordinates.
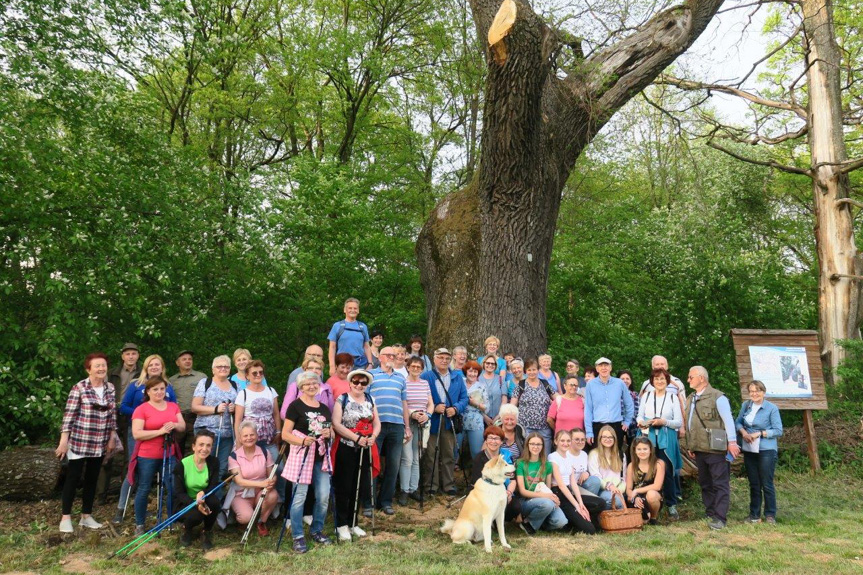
(369, 398)
(210, 383)
(545, 384)
(343, 326)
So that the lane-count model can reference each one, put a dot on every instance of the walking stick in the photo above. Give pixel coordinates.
(436, 451)
(140, 540)
(219, 434)
(293, 494)
(263, 494)
(357, 496)
(332, 488)
(461, 457)
(160, 490)
(371, 484)
(420, 455)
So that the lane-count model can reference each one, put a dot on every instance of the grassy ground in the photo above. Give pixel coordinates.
(819, 531)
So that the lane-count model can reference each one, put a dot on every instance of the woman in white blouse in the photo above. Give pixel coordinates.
(659, 418)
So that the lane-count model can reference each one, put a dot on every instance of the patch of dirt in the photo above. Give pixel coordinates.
(78, 564)
(21, 573)
(217, 554)
(833, 430)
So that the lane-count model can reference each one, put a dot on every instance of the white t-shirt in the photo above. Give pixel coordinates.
(566, 464)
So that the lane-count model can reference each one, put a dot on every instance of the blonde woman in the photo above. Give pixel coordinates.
(605, 463)
(242, 357)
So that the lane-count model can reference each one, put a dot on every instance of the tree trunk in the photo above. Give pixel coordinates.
(28, 473)
(839, 264)
(485, 250)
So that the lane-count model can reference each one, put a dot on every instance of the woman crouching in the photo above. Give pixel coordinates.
(196, 475)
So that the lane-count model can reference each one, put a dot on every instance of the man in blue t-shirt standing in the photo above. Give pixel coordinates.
(350, 336)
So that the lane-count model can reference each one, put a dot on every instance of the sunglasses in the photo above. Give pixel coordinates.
(256, 373)
(490, 363)
(364, 382)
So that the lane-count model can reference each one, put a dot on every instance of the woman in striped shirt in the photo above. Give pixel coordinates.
(420, 406)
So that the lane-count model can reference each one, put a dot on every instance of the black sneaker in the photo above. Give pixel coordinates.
(186, 538)
(207, 542)
(118, 517)
(403, 498)
(367, 512)
(416, 496)
(300, 545)
(388, 510)
(321, 539)
(452, 492)
(527, 528)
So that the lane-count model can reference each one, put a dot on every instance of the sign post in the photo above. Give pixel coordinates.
(788, 362)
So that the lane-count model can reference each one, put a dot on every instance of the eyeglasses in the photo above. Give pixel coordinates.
(493, 438)
(256, 373)
(491, 363)
(387, 354)
(415, 366)
(363, 382)
(607, 437)
(535, 444)
(221, 367)
(579, 440)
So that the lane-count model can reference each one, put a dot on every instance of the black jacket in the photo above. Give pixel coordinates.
(181, 497)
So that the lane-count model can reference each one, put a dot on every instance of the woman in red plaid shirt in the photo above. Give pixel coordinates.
(86, 435)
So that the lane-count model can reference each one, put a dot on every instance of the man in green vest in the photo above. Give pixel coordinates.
(708, 415)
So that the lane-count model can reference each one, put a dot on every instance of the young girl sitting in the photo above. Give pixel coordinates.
(644, 477)
(565, 487)
(604, 462)
(540, 508)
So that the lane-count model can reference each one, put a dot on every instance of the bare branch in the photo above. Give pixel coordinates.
(844, 167)
(754, 98)
(849, 201)
(767, 163)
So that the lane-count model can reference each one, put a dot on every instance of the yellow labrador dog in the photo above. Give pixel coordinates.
(485, 503)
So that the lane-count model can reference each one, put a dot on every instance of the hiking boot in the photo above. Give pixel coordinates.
(752, 519)
(673, 513)
(207, 542)
(118, 517)
(321, 539)
(367, 512)
(416, 496)
(388, 510)
(403, 498)
(770, 519)
(139, 530)
(186, 538)
(300, 545)
(716, 524)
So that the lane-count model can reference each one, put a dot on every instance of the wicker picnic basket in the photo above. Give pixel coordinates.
(621, 520)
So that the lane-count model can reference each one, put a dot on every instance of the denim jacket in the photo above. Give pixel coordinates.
(767, 419)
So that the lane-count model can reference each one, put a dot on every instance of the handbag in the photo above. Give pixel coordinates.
(457, 420)
(717, 439)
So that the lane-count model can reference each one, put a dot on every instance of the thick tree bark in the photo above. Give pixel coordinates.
(485, 250)
(28, 473)
(839, 263)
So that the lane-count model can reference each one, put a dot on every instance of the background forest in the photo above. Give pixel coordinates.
(215, 174)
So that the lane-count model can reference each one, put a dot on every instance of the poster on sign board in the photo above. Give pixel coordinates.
(783, 370)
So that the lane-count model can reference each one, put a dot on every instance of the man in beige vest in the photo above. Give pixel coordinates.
(708, 412)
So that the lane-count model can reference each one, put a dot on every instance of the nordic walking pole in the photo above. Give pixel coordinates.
(293, 494)
(372, 485)
(263, 494)
(219, 434)
(332, 489)
(144, 537)
(420, 434)
(440, 427)
(357, 497)
(160, 490)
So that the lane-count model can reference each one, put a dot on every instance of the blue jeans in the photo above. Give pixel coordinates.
(760, 468)
(541, 512)
(321, 483)
(390, 443)
(593, 484)
(280, 481)
(409, 466)
(607, 497)
(145, 472)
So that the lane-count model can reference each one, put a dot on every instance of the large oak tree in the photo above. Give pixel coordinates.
(484, 251)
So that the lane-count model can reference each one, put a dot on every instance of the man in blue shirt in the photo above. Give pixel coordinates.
(350, 336)
(449, 396)
(390, 394)
(607, 402)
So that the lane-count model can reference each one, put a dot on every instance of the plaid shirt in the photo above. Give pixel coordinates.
(291, 472)
(88, 421)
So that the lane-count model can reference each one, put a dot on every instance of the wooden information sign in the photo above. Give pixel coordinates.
(789, 364)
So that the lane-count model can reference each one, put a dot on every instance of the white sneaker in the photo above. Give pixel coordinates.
(307, 519)
(66, 526)
(358, 532)
(344, 533)
(89, 523)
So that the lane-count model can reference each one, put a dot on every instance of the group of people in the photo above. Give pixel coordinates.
(392, 424)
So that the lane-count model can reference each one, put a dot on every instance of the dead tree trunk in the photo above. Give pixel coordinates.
(28, 473)
(485, 250)
(839, 265)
